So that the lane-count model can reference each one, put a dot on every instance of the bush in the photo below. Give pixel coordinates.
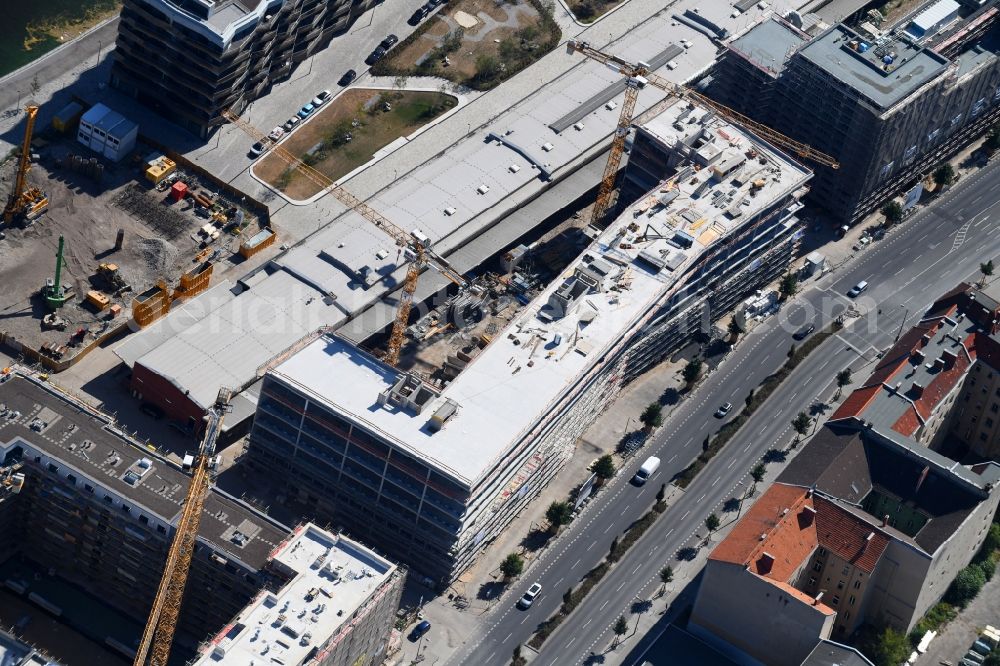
(886, 647)
(939, 615)
(559, 514)
(988, 567)
(966, 586)
(991, 543)
(604, 468)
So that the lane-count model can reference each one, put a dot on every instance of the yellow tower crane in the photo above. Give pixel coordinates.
(414, 243)
(158, 635)
(29, 202)
(638, 77)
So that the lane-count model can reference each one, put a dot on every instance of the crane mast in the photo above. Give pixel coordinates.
(416, 245)
(158, 635)
(639, 75)
(23, 199)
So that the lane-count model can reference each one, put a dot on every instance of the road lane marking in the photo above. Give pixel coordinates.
(731, 463)
(591, 545)
(636, 570)
(603, 605)
(716, 481)
(608, 529)
(747, 447)
(508, 636)
(672, 458)
(586, 623)
(624, 582)
(702, 497)
(686, 514)
(570, 641)
(670, 532)
(575, 563)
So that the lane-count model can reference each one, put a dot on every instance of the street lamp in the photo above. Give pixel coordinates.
(100, 45)
(903, 321)
(17, 107)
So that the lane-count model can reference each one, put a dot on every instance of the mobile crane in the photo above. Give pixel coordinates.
(158, 635)
(415, 244)
(24, 201)
(638, 76)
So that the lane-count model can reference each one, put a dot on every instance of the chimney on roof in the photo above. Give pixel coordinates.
(819, 597)
(885, 520)
(917, 390)
(925, 339)
(949, 357)
(807, 515)
(918, 354)
(765, 562)
(939, 363)
(868, 540)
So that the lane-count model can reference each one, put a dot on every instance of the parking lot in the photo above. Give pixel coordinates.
(953, 642)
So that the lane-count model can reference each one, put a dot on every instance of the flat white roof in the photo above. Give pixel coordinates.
(317, 277)
(545, 351)
(331, 577)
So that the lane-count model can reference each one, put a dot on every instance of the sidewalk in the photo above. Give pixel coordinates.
(482, 584)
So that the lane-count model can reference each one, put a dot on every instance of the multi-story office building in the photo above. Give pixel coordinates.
(194, 59)
(432, 473)
(14, 652)
(331, 602)
(99, 510)
(889, 104)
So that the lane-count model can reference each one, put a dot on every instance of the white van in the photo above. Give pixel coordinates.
(647, 470)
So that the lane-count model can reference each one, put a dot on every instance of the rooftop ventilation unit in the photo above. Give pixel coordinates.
(408, 393)
(441, 415)
(450, 210)
(547, 147)
(578, 126)
(483, 189)
(514, 168)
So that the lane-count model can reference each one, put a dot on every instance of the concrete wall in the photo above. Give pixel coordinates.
(897, 581)
(844, 587)
(977, 415)
(768, 624)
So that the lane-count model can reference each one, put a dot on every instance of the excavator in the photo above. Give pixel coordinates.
(25, 203)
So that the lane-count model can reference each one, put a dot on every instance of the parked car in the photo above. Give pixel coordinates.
(306, 110)
(348, 78)
(389, 42)
(420, 630)
(858, 289)
(375, 56)
(321, 98)
(723, 410)
(804, 331)
(276, 133)
(291, 123)
(418, 16)
(524, 603)
(256, 149)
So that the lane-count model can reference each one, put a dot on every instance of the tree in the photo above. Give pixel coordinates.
(992, 142)
(512, 566)
(791, 353)
(843, 379)
(735, 330)
(613, 550)
(801, 423)
(619, 627)
(568, 596)
(758, 472)
(35, 86)
(558, 514)
(661, 493)
(712, 523)
(992, 659)
(890, 648)
(652, 416)
(749, 399)
(987, 271)
(487, 68)
(893, 212)
(966, 586)
(944, 175)
(517, 659)
(788, 286)
(604, 468)
(666, 576)
(692, 370)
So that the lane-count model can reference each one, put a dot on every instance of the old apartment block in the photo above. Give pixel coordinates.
(193, 59)
(431, 467)
(889, 103)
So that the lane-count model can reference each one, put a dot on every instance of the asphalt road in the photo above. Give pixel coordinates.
(940, 246)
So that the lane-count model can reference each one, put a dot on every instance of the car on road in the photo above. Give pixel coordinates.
(804, 331)
(389, 42)
(321, 98)
(858, 289)
(348, 78)
(420, 630)
(418, 15)
(524, 603)
(291, 123)
(723, 410)
(306, 110)
(646, 470)
(276, 133)
(256, 149)
(375, 55)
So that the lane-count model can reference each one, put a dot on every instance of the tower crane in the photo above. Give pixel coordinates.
(158, 635)
(29, 202)
(415, 244)
(638, 76)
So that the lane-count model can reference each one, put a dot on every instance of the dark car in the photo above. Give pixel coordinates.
(375, 56)
(348, 78)
(389, 42)
(420, 630)
(418, 16)
(804, 331)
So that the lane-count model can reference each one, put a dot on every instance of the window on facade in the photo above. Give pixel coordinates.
(982, 437)
(818, 567)
(857, 584)
(840, 584)
(989, 423)
(836, 600)
(812, 581)
(995, 408)
(53, 468)
(978, 106)
(851, 600)
(821, 551)
(847, 615)
(910, 152)
(144, 520)
(886, 170)
(996, 95)
(89, 488)
(107, 498)
(161, 529)
(847, 570)
(956, 120)
(932, 136)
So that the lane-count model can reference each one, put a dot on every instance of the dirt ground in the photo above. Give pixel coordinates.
(376, 129)
(893, 10)
(88, 213)
(510, 34)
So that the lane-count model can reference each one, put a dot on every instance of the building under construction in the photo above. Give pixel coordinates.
(889, 102)
(432, 466)
(99, 511)
(194, 59)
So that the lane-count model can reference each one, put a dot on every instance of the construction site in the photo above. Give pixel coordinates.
(91, 246)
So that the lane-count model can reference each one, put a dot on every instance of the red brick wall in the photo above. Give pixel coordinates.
(156, 390)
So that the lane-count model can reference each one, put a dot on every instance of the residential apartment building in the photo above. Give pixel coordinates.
(331, 602)
(889, 104)
(100, 511)
(863, 526)
(193, 59)
(431, 473)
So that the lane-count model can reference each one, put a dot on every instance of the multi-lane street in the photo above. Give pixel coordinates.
(934, 250)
